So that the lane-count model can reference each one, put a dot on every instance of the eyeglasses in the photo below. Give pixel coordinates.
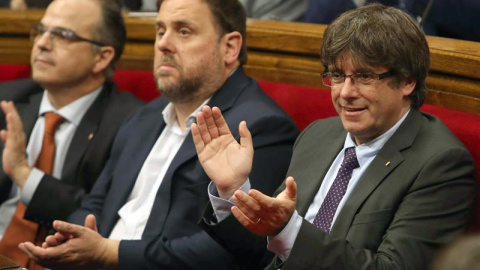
(332, 79)
(59, 35)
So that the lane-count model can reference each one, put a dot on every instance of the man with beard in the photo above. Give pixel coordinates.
(153, 190)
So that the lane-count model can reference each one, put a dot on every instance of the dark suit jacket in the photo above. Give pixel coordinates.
(176, 239)
(416, 195)
(86, 157)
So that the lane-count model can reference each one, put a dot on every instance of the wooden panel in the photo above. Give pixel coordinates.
(277, 51)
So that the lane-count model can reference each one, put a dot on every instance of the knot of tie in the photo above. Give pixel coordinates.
(350, 161)
(52, 121)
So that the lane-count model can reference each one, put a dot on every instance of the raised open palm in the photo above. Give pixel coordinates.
(225, 161)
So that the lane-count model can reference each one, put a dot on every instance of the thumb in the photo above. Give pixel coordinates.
(291, 188)
(91, 222)
(245, 135)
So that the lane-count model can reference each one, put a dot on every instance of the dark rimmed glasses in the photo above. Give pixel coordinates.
(333, 79)
(59, 34)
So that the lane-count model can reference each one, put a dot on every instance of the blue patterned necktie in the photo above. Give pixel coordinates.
(324, 217)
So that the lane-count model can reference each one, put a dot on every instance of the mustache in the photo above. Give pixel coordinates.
(43, 57)
(168, 59)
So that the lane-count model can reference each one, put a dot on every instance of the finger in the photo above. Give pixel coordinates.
(91, 222)
(31, 250)
(202, 128)
(220, 122)
(291, 188)
(210, 122)
(197, 139)
(245, 136)
(265, 202)
(3, 135)
(26, 250)
(247, 205)
(14, 122)
(68, 228)
(241, 217)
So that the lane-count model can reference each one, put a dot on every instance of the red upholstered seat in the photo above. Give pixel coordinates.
(304, 104)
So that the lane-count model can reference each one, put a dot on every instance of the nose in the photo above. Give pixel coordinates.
(165, 43)
(348, 90)
(44, 41)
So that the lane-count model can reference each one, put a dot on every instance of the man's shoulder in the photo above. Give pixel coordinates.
(19, 90)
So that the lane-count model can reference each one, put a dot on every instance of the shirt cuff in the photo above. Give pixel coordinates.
(282, 244)
(221, 207)
(33, 180)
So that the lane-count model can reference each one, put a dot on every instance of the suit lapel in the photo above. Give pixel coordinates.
(316, 164)
(386, 161)
(83, 135)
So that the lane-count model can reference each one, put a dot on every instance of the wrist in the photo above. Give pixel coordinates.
(20, 175)
(108, 258)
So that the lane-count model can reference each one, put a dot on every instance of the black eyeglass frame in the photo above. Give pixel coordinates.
(379, 76)
(65, 34)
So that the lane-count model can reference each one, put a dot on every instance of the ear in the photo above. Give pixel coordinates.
(233, 45)
(408, 87)
(103, 58)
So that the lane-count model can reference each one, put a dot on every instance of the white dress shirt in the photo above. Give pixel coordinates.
(136, 211)
(73, 114)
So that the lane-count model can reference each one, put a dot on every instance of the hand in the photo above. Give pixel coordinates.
(14, 160)
(226, 162)
(264, 215)
(18, 5)
(75, 247)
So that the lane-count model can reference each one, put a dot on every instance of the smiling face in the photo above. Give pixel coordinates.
(65, 64)
(189, 64)
(368, 111)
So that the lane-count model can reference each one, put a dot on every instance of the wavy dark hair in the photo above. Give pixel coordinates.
(381, 36)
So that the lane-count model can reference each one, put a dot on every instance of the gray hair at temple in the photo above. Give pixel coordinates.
(111, 31)
(229, 16)
(380, 36)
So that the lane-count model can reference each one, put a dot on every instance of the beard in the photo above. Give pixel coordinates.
(185, 89)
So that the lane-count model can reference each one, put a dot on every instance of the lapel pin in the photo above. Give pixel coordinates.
(388, 163)
(90, 136)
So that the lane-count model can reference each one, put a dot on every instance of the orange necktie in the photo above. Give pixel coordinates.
(21, 230)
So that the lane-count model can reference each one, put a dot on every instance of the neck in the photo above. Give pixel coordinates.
(183, 111)
(62, 95)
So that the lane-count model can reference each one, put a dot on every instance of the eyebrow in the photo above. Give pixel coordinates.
(57, 28)
(179, 23)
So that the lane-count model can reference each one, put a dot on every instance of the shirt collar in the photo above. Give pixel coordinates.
(170, 116)
(371, 149)
(73, 112)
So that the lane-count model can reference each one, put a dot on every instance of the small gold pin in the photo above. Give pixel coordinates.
(90, 136)
(388, 163)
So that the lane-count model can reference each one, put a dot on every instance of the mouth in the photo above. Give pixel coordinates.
(353, 111)
(42, 60)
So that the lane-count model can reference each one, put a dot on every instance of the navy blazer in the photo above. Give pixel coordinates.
(87, 153)
(176, 239)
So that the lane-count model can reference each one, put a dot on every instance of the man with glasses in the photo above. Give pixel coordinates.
(382, 186)
(75, 48)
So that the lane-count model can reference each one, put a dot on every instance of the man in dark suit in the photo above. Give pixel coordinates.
(152, 192)
(72, 61)
(405, 184)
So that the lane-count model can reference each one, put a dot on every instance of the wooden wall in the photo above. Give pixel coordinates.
(280, 52)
